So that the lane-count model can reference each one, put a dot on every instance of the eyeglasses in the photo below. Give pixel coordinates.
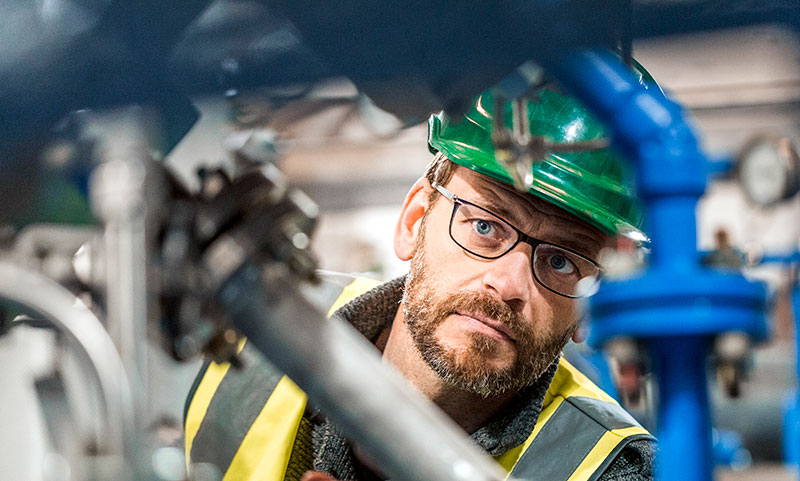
(485, 235)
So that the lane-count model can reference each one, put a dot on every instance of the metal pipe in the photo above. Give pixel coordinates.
(119, 198)
(684, 412)
(675, 304)
(791, 420)
(84, 331)
(671, 220)
(345, 377)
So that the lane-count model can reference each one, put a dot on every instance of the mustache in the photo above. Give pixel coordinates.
(484, 304)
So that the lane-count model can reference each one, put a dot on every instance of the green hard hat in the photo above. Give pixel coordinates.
(595, 185)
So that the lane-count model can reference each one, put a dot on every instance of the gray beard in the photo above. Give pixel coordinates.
(467, 370)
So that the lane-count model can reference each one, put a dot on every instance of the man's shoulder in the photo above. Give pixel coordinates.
(571, 384)
(619, 447)
(634, 456)
(571, 381)
(635, 462)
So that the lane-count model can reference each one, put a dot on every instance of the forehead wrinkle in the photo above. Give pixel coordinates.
(529, 208)
(491, 201)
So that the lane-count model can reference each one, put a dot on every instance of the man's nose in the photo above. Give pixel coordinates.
(511, 277)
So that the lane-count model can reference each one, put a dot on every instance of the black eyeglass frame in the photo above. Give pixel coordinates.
(521, 237)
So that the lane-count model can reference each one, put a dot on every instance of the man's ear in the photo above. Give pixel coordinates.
(407, 229)
(582, 330)
(579, 335)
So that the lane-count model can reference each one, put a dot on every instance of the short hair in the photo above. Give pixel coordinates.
(439, 172)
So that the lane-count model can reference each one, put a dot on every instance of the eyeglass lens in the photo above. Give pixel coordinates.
(482, 233)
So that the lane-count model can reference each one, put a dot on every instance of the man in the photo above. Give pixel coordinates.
(490, 300)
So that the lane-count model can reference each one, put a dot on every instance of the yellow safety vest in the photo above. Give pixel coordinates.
(247, 424)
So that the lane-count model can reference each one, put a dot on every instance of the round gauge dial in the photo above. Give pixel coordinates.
(767, 169)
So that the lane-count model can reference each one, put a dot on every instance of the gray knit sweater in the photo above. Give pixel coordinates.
(371, 313)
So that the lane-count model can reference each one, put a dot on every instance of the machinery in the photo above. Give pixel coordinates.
(203, 266)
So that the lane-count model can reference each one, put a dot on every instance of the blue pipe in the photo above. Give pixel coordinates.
(791, 415)
(676, 305)
(780, 258)
(646, 127)
(672, 229)
(684, 425)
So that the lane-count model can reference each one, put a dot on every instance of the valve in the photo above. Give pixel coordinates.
(630, 366)
(731, 355)
(724, 256)
(249, 215)
(223, 347)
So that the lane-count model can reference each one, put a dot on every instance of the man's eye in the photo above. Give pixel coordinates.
(561, 264)
(482, 226)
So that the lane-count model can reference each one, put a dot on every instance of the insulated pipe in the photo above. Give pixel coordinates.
(345, 377)
(85, 332)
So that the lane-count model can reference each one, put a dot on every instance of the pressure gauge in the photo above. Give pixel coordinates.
(768, 169)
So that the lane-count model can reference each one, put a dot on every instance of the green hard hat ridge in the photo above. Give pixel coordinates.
(595, 185)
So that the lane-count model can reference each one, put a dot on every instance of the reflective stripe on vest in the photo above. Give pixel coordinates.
(580, 430)
(236, 416)
(242, 424)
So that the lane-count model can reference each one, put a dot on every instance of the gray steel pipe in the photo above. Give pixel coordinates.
(122, 198)
(346, 378)
(85, 332)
